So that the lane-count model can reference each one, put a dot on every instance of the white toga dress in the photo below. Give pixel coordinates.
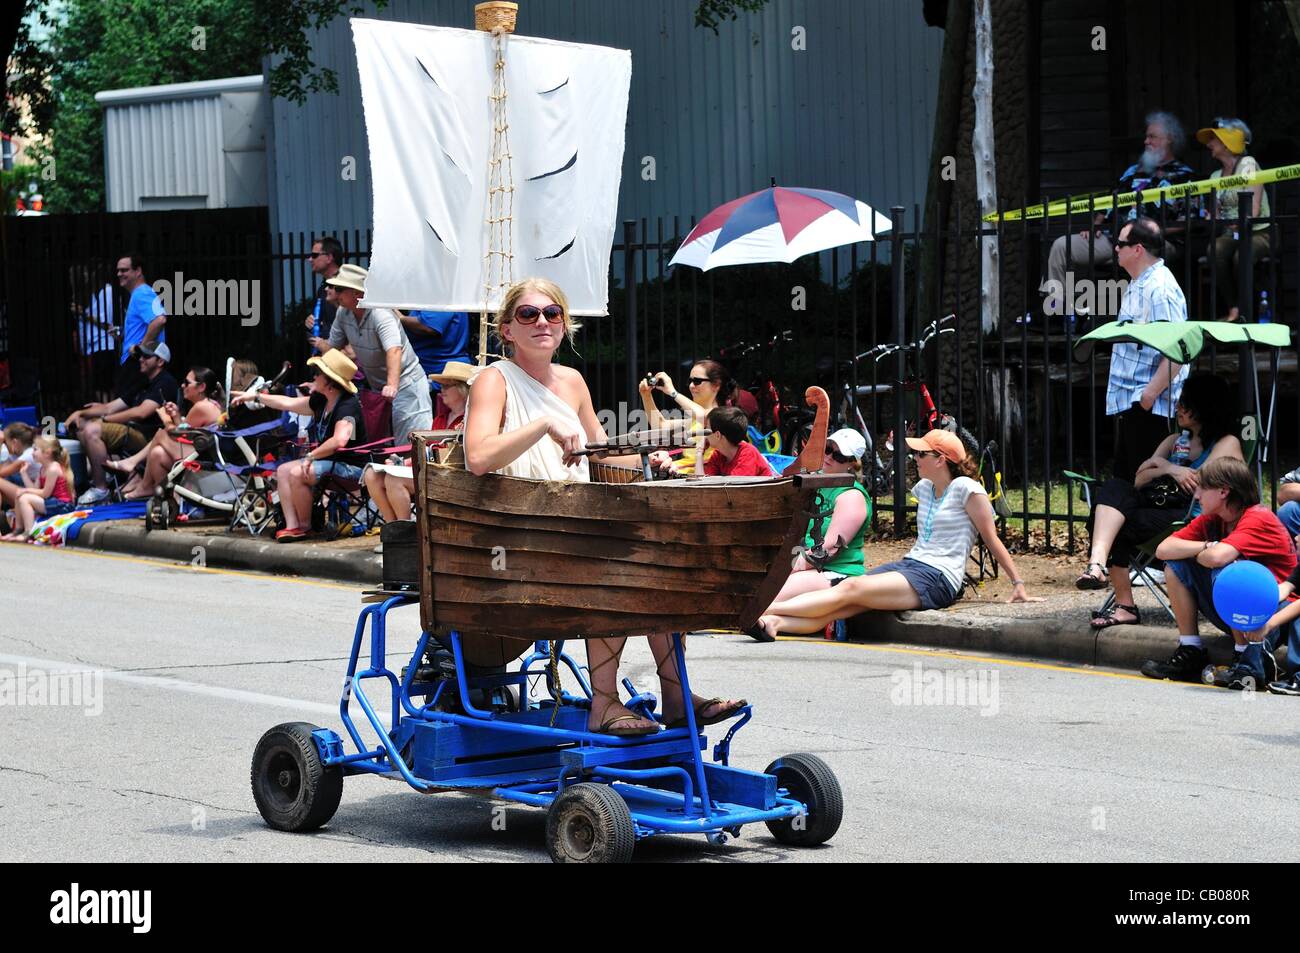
(526, 400)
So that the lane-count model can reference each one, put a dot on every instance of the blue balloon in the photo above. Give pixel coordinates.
(1245, 595)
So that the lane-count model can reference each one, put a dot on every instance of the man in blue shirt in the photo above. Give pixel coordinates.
(437, 337)
(143, 323)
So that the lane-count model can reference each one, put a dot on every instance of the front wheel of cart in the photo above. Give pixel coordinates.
(293, 789)
(809, 779)
(589, 824)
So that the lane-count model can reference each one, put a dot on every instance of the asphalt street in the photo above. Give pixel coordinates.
(942, 757)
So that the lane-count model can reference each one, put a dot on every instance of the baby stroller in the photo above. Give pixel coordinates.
(229, 471)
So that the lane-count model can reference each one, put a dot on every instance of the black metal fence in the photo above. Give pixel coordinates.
(1012, 382)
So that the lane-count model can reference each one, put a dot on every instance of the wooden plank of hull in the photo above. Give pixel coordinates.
(548, 622)
(721, 606)
(754, 558)
(594, 572)
(684, 534)
(691, 502)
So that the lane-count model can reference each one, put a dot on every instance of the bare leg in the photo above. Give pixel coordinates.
(1184, 605)
(670, 686)
(295, 493)
(1106, 525)
(602, 663)
(128, 464)
(154, 473)
(96, 452)
(813, 611)
(376, 486)
(800, 582)
(399, 492)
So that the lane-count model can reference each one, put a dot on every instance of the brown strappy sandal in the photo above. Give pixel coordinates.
(610, 726)
(722, 714)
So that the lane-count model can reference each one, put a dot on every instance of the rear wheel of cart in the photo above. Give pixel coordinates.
(589, 824)
(293, 789)
(809, 779)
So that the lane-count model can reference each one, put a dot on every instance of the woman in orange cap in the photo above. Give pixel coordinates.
(1227, 140)
(952, 509)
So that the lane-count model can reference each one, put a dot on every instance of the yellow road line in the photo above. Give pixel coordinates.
(1015, 663)
(208, 569)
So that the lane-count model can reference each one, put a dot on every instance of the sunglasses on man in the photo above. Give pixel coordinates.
(528, 314)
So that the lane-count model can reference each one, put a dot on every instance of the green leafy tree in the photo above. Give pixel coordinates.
(63, 53)
(710, 13)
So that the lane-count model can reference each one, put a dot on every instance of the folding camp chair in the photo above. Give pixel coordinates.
(1143, 571)
(345, 504)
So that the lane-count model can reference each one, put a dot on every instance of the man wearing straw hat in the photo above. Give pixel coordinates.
(382, 351)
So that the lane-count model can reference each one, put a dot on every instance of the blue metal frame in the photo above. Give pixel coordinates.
(531, 755)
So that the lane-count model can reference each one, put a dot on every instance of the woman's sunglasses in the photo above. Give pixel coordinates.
(699, 381)
(527, 314)
(918, 454)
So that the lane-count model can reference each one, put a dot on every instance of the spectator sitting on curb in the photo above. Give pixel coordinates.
(201, 389)
(48, 496)
(392, 487)
(125, 424)
(16, 453)
(832, 547)
(952, 508)
(1232, 525)
(1284, 627)
(733, 454)
(336, 422)
(1288, 496)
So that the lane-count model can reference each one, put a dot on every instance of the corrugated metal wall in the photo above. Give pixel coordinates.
(169, 148)
(853, 112)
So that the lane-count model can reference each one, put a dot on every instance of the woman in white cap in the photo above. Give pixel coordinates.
(1227, 140)
(336, 422)
(529, 417)
(832, 547)
(393, 486)
(952, 508)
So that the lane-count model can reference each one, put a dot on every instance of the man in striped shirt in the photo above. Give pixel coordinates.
(1144, 385)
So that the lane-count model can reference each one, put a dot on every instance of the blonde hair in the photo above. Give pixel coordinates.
(55, 449)
(543, 286)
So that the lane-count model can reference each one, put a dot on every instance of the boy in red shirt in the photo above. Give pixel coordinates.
(733, 454)
(1232, 525)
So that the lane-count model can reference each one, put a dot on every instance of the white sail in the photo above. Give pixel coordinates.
(425, 91)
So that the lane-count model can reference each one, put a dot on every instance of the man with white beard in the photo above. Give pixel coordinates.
(1156, 167)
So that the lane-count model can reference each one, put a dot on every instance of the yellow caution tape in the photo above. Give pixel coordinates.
(1104, 202)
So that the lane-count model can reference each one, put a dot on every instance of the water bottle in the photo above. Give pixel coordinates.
(315, 320)
(1265, 313)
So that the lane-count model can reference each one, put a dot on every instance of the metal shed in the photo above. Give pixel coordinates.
(186, 145)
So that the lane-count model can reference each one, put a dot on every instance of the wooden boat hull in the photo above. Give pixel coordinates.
(542, 560)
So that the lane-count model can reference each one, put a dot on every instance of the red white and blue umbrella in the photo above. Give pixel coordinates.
(778, 224)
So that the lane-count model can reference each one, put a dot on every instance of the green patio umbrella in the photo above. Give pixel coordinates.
(1183, 341)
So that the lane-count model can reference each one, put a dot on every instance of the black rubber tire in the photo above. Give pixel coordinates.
(808, 779)
(149, 515)
(293, 790)
(589, 824)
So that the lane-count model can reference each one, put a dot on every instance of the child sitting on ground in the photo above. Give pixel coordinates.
(53, 493)
(16, 453)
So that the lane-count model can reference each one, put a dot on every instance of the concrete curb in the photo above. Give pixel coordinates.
(1059, 639)
(363, 568)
